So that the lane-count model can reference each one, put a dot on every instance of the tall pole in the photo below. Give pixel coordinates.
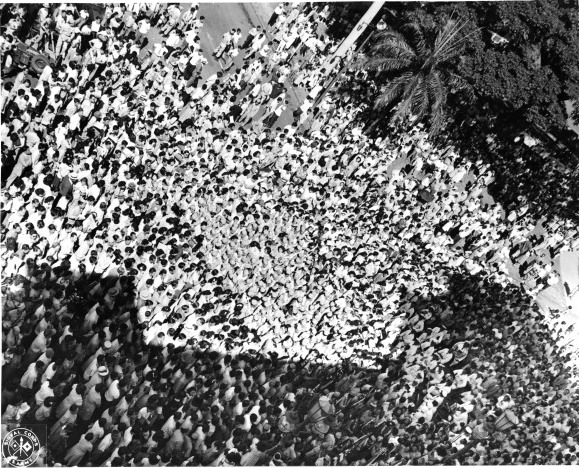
(358, 29)
(361, 28)
(340, 73)
(347, 43)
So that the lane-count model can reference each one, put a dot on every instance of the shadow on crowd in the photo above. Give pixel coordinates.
(533, 171)
(529, 172)
(110, 378)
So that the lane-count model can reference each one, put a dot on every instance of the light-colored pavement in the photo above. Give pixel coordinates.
(555, 297)
(222, 17)
(570, 123)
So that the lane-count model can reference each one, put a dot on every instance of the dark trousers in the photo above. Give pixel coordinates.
(270, 120)
(273, 19)
(248, 41)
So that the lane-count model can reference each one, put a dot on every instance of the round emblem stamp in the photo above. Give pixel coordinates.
(20, 447)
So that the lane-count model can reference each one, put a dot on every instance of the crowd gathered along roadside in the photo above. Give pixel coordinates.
(187, 284)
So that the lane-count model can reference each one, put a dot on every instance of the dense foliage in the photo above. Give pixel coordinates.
(521, 57)
(519, 61)
(414, 73)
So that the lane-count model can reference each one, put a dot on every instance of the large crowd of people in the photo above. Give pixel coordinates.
(188, 282)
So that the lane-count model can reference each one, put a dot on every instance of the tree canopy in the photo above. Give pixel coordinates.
(520, 63)
(521, 57)
(415, 73)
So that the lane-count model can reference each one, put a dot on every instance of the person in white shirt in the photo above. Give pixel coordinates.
(66, 32)
(173, 41)
(143, 27)
(226, 42)
(279, 10)
(173, 16)
(159, 51)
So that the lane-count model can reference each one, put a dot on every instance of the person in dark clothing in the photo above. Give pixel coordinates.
(234, 111)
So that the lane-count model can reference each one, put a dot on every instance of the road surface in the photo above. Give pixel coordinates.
(222, 17)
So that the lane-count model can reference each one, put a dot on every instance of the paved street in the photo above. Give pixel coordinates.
(555, 297)
(182, 288)
(222, 17)
(219, 18)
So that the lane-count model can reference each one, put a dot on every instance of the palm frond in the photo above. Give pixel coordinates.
(437, 95)
(436, 88)
(458, 83)
(448, 42)
(437, 121)
(424, 75)
(385, 64)
(392, 90)
(391, 43)
(404, 110)
(418, 37)
(421, 100)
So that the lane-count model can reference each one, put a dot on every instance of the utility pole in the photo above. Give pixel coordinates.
(358, 29)
(349, 41)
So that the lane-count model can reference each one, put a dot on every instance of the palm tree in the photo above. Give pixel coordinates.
(418, 76)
